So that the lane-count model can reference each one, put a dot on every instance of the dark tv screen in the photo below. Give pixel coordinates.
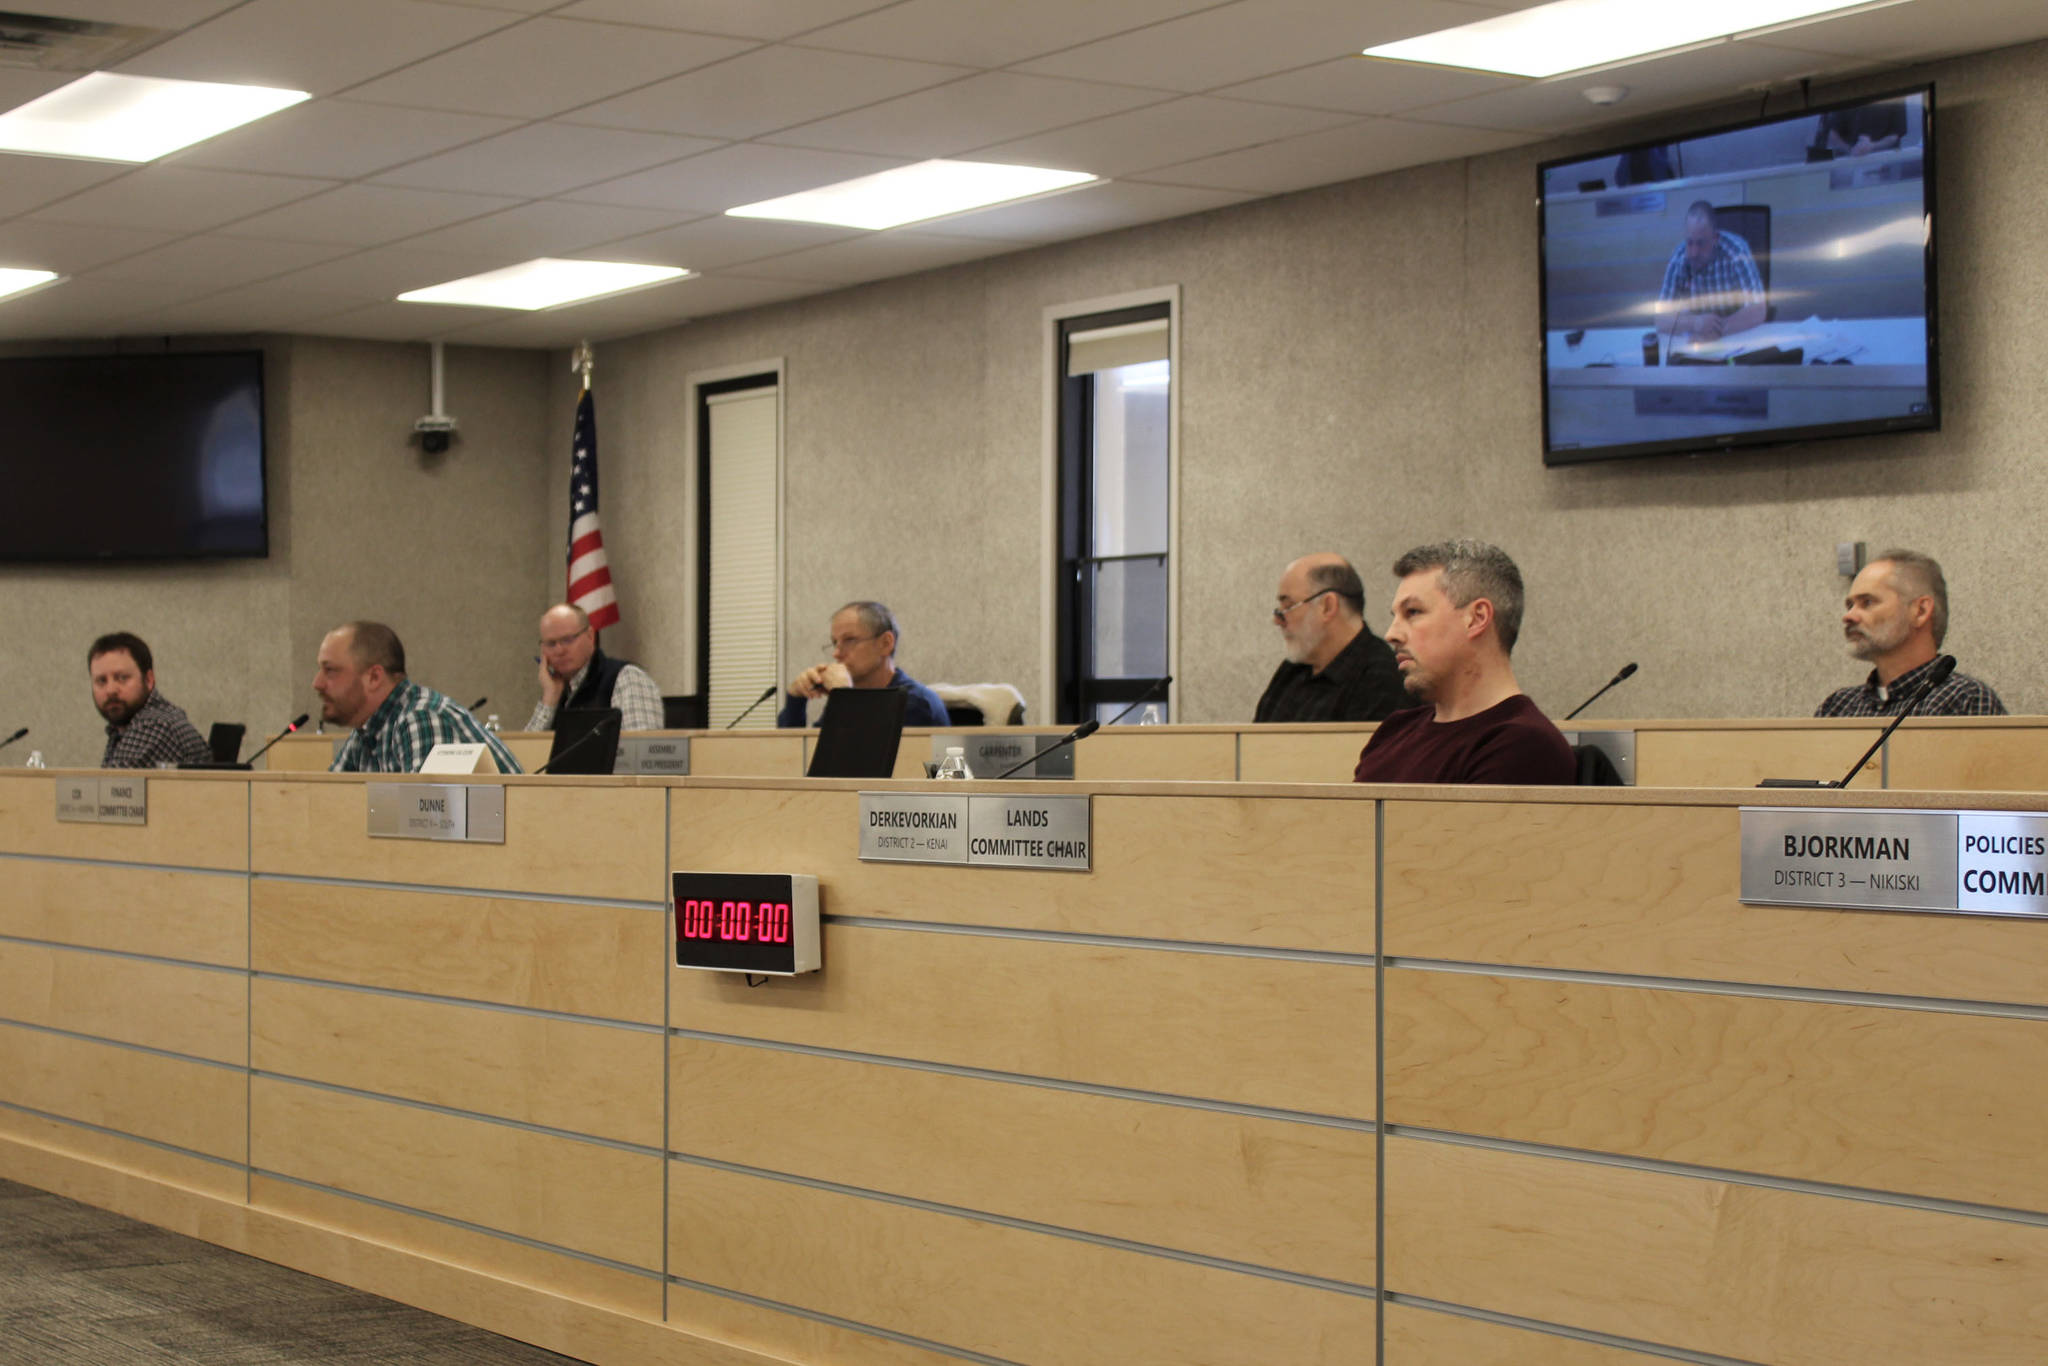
(133, 457)
(1768, 282)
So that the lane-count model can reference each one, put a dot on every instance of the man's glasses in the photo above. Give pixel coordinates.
(1280, 613)
(846, 643)
(561, 642)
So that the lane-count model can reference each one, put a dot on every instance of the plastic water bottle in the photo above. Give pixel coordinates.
(955, 765)
(491, 725)
(35, 760)
(1150, 716)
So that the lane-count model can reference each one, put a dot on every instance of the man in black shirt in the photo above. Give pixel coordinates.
(1336, 670)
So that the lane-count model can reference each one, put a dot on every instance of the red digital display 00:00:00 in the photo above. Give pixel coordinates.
(739, 922)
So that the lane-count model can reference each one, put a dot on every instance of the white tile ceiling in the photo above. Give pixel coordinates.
(453, 136)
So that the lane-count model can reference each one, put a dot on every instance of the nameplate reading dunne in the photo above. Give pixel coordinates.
(78, 799)
(990, 753)
(471, 812)
(124, 801)
(1961, 862)
(987, 832)
(661, 757)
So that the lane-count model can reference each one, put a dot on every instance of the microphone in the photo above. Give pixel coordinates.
(1626, 670)
(250, 762)
(478, 703)
(1090, 726)
(12, 738)
(766, 693)
(603, 727)
(1943, 667)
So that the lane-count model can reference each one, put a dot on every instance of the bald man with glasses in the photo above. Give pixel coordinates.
(863, 650)
(1335, 670)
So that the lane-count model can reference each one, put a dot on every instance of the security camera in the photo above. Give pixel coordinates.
(435, 431)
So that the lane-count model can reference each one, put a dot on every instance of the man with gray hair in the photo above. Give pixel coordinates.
(1896, 617)
(1712, 288)
(1457, 613)
(863, 650)
(1335, 669)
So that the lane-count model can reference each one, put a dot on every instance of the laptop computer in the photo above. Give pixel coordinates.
(859, 733)
(586, 740)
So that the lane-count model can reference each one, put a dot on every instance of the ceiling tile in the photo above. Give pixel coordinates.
(387, 272)
(1090, 209)
(1348, 153)
(220, 262)
(69, 248)
(632, 314)
(762, 19)
(521, 6)
(991, 32)
(82, 308)
(767, 89)
(179, 198)
(718, 241)
(543, 159)
(165, 14)
(1162, 134)
(545, 66)
(338, 138)
(880, 255)
(366, 215)
(18, 87)
(394, 321)
(1364, 85)
(730, 176)
(30, 182)
(1916, 32)
(550, 228)
(314, 45)
(958, 117)
(258, 308)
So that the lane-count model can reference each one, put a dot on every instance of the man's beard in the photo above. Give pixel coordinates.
(1867, 645)
(117, 711)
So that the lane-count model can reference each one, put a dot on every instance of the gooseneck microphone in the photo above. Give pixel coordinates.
(478, 703)
(1090, 726)
(1626, 670)
(601, 728)
(303, 717)
(765, 695)
(12, 738)
(1938, 675)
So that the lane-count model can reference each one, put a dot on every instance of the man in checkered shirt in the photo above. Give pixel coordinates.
(1711, 286)
(362, 684)
(1896, 616)
(144, 728)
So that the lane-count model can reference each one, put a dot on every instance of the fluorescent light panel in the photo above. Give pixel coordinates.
(1573, 35)
(544, 283)
(912, 194)
(14, 281)
(134, 118)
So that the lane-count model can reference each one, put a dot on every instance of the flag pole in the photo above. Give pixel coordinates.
(582, 360)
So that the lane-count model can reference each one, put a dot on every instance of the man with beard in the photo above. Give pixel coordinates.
(1336, 670)
(361, 683)
(1895, 617)
(144, 728)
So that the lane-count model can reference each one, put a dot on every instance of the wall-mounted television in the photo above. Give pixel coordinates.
(1767, 282)
(132, 457)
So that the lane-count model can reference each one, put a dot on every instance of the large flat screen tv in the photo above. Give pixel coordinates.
(1768, 282)
(132, 457)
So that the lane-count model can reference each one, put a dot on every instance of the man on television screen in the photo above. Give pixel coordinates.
(1867, 128)
(1895, 617)
(144, 728)
(1711, 286)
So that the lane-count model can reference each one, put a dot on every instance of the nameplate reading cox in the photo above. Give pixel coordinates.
(1959, 862)
(979, 832)
(469, 812)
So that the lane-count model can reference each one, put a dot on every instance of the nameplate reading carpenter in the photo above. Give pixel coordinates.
(1962, 862)
(661, 757)
(984, 832)
(78, 799)
(991, 753)
(124, 801)
(470, 812)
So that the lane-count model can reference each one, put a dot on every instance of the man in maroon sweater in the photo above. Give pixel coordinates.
(1456, 616)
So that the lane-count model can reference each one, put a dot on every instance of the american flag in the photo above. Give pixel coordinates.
(590, 578)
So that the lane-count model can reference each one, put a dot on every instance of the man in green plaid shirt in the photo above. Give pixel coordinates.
(362, 684)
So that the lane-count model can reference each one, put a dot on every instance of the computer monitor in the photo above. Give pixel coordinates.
(586, 740)
(859, 733)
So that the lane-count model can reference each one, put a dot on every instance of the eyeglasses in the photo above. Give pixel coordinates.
(1280, 613)
(562, 642)
(847, 643)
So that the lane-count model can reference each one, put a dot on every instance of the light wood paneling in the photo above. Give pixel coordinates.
(1054, 1300)
(1424, 1337)
(190, 1105)
(1850, 1095)
(585, 1078)
(530, 750)
(1142, 753)
(104, 1150)
(748, 754)
(1728, 756)
(573, 1194)
(1654, 890)
(603, 961)
(1261, 1031)
(790, 1337)
(200, 1011)
(552, 1272)
(1953, 758)
(1268, 1192)
(195, 821)
(200, 917)
(1743, 1271)
(1206, 869)
(1326, 754)
(305, 752)
(590, 839)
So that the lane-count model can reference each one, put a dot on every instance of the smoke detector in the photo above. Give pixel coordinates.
(1605, 95)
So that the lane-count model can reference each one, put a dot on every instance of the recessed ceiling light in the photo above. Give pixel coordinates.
(14, 281)
(544, 283)
(912, 194)
(134, 118)
(1574, 35)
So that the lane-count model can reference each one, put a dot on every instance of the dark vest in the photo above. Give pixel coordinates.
(598, 682)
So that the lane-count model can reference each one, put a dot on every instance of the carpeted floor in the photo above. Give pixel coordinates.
(82, 1287)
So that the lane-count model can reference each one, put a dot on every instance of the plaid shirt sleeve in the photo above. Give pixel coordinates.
(402, 732)
(159, 732)
(634, 693)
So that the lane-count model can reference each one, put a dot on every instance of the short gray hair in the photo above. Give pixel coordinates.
(875, 618)
(1341, 581)
(1471, 570)
(1700, 208)
(1919, 576)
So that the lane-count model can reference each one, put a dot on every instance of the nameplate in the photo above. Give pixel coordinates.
(1959, 862)
(124, 801)
(988, 832)
(452, 758)
(651, 755)
(470, 812)
(78, 799)
(991, 753)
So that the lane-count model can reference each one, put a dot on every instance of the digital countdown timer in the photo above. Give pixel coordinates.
(747, 922)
